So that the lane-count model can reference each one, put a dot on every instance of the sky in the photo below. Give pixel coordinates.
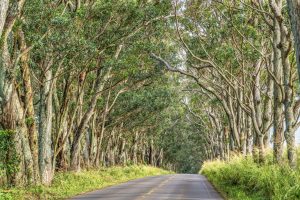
(298, 136)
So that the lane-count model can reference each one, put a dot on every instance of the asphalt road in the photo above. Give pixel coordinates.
(173, 187)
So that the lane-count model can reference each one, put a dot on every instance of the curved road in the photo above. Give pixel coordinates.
(179, 186)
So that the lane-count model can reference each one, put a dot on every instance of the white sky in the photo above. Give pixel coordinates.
(298, 136)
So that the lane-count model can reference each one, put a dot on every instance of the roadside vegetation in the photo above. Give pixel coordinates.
(242, 178)
(68, 184)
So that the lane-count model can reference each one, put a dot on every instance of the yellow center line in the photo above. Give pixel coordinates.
(154, 188)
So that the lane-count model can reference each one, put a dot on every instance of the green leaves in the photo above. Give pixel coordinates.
(9, 159)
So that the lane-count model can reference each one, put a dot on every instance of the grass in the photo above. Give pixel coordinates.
(241, 178)
(69, 184)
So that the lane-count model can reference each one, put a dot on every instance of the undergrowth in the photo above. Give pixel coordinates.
(243, 179)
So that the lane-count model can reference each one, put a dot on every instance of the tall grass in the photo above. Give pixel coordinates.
(68, 184)
(243, 179)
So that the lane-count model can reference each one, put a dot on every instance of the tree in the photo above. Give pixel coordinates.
(294, 13)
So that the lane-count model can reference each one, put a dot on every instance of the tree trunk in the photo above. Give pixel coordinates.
(3, 12)
(249, 140)
(267, 115)
(74, 164)
(13, 119)
(134, 149)
(29, 108)
(289, 100)
(61, 159)
(261, 149)
(294, 13)
(278, 96)
(122, 152)
(151, 153)
(87, 144)
(45, 126)
(13, 112)
(232, 120)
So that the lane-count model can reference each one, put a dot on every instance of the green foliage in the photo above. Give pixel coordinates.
(8, 157)
(182, 143)
(69, 183)
(29, 121)
(242, 178)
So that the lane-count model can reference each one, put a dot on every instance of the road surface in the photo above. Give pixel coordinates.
(173, 187)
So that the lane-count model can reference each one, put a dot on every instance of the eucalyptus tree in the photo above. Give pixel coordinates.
(285, 102)
(225, 44)
(294, 13)
(217, 59)
(12, 109)
(71, 65)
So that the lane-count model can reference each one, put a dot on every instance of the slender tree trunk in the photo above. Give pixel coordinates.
(74, 165)
(75, 149)
(249, 136)
(267, 114)
(45, 126)
(61, 159)
(294, 13)
(87, 144)
(3, 13)
(227, 142)
(88, 114)
(262, 153)
(122, 152)
(151, 153)
(29, 108)
(235, 142)
(257, 116)
(241, 124)
(278, 119)
(134, 150)
(289, 100)
(160, 158)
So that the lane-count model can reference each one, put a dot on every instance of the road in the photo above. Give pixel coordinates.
(178, 186)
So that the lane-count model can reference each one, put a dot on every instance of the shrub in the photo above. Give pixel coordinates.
(9, 161)
(242, 178)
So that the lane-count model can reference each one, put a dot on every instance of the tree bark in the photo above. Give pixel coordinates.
(45, 125)
(135, 148)
(3, 12)
(278, 96)
(289, 99)
(13, 114)
(28, 106)
(294, 13)
(74, 164)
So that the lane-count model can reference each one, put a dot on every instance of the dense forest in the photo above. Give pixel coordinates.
(97, 83)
